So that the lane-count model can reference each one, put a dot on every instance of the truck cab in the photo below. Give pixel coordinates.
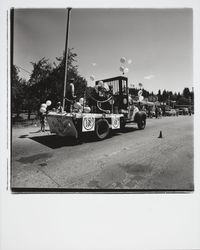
(119, 91)
(121, 104)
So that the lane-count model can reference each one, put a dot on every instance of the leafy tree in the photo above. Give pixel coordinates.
(79, 82)
(39, 77)
(186, 93)
(133, 91)
(37, 86)
(159, 96)
(47, 81)
(145, 93)
(183, 101)
(18, 87)
(164, 96)
(192, 98)
(178, 96)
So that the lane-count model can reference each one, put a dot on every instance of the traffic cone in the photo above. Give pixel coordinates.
(160, 135)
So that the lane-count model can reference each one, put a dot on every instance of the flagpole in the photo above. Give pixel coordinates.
(66, 55)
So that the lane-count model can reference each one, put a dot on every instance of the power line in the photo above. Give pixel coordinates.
(24, 70)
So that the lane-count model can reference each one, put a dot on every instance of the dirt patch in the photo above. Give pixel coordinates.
(108, 178)
(43, 164)
(136, 169)
(33, 158)
(93, 184)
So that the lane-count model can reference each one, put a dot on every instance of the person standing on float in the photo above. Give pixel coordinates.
(70, 97)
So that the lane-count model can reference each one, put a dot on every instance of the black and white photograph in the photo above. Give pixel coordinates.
(99, 129)
(102, 100)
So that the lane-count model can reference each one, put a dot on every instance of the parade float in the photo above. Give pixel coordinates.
(112, 107)
(112, 111)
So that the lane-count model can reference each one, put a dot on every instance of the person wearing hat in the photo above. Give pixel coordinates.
(59, 107)
(70, 97)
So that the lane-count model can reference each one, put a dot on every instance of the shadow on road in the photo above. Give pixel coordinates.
(38, 131)
(129, 129)
(54, 141)
(23, 136)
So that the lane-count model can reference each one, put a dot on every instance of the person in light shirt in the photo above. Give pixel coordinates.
(133, 108)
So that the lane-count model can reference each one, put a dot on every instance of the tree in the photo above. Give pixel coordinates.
(80, 82)
(18, 87)
(164, 95)
(41, 71)
(159, 96)
(47, 81)
(186, 93)
(37, 86)
(145, 93)
(183, 101)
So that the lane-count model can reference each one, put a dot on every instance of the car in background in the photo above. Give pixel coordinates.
(170, 112)
(180, 111)
(185, 111)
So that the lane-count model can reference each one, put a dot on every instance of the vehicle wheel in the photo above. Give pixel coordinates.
(141, 124)
(102, 129)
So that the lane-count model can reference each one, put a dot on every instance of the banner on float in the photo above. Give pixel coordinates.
(88, 123)
(115, 122)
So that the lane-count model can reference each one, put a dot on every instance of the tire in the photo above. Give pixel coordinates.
(102, 129)
(141, 124)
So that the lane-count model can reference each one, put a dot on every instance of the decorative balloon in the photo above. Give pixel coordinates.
(141, 98)
(92, 78)
(129, 61)
(44, 105)
(140, 85)
(121, 69)
(81, 100)
(126, 70)
(125, 101)
(48, 103)
(77, 105)
(87, 109)
(43, 109)
(123, 60)
(100, 83)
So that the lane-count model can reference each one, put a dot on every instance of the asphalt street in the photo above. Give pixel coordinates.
(132, 160)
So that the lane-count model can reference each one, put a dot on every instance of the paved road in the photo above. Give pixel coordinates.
(135, 159)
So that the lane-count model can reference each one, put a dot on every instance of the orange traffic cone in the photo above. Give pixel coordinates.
(160, 135)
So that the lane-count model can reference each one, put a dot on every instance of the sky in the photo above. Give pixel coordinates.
(157, 43)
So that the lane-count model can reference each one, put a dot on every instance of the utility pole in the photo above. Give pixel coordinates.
(66, 55)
